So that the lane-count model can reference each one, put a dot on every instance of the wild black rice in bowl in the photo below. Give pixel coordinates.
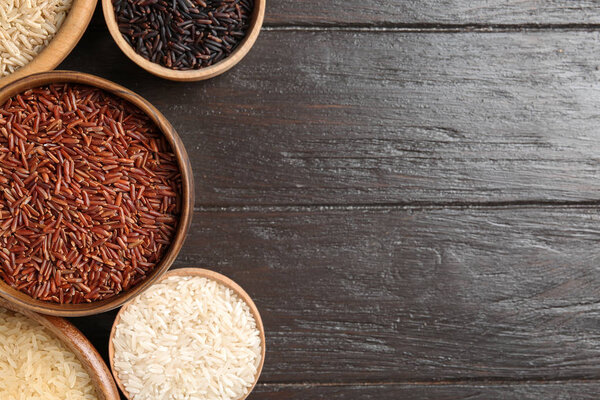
(184, 34)
(89, 194)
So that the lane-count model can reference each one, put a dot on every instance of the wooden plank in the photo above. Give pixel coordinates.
(435, 12)
(425, 13)
(368, 117)
(475, 391)
(402, 295)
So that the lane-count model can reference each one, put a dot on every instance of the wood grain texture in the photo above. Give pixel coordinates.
(371, 117)
(426, 13)
(530, 391)
(465, 391)
(435, 12)
(396, 295)
(418, 300)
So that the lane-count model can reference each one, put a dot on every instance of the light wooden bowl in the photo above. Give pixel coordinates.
(222, 279)
(80, 346)
(187, 200)
(61, 45)
(220, 67)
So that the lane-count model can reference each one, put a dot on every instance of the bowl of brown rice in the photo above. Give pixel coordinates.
(96, 194)
(37, 35)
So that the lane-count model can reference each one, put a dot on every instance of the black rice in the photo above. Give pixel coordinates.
(184, 34)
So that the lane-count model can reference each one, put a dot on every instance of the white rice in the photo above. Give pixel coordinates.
(35, 365)
(26, 28)
(187, 338)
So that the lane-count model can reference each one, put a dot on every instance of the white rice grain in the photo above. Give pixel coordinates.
(187, 338)
(26, 28)
(35, 365)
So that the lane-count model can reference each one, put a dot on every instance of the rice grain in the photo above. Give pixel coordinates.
(26, 28)
(35, 365)
(89, 194)
(187, 338)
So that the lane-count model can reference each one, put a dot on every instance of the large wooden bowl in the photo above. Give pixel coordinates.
(80, 346)
(223, 280)
(220, 67)
(187, 200)
(62, 43)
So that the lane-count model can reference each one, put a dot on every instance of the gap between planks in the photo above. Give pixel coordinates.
(420, 28)
(458, 382)
(537, 204)
(434, 28)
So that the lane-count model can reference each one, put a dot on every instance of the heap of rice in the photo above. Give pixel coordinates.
(35, 365)
(187, 338)
(26, 28)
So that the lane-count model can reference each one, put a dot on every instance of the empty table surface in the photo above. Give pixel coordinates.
(408, 189)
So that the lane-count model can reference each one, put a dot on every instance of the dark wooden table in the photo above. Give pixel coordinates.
(408, 189)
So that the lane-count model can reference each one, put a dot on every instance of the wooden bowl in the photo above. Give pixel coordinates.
(62, 43)
(223, 280)
(187, 201)
(80, 346)
(220, 67)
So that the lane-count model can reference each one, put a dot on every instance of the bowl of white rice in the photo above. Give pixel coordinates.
(37, 35)
(194, 335)
(47, 358)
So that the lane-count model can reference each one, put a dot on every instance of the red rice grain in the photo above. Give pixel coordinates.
(89, 194)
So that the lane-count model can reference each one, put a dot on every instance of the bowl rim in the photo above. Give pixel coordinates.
(61, 45)
(187, 199)
(219, 278)
(220, 67)
(79, 344)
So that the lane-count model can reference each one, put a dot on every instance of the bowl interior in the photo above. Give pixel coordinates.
(80, 346)
(62, 43)
(187, 199)
(222, 279)
(258, 15)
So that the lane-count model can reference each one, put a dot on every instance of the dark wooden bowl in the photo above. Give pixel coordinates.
(187, 200)
(258, 16)
(80, 346)
(223, 280)
(61, 44)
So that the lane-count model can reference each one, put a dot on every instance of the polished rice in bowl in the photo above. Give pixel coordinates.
(89, 194)
(35, 365)
(187, 338)
(26, 28)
